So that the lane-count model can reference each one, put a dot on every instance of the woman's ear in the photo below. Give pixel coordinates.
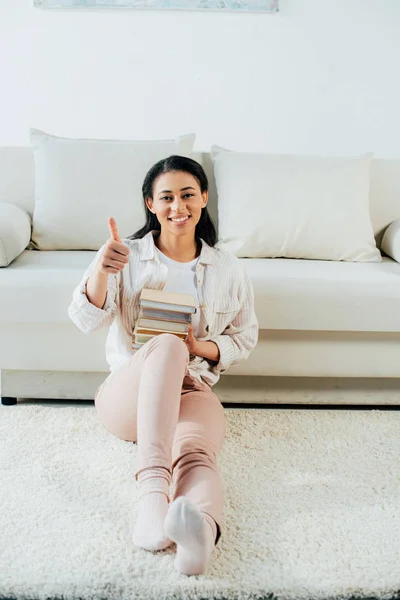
(205, 199)
(149, 204)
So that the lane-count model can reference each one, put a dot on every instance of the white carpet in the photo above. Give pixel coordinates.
(312, 508)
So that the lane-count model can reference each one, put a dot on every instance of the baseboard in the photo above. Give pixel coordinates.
(57, 385)
(65, 385)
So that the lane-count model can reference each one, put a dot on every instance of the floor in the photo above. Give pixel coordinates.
(302, 406)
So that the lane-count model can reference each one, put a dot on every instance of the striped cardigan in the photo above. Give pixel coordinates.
(225, 294)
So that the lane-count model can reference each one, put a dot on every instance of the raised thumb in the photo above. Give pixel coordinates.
(112, 226)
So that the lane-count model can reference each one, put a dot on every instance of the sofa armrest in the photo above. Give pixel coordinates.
(15, 232)
(391, 241)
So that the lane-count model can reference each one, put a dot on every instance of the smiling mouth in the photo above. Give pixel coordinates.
(179, 220)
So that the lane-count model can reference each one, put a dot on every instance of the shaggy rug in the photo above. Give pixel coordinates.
(312, 509)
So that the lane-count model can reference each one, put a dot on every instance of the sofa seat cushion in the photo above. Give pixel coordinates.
(297, 294)
(290, 294)
(37, 287)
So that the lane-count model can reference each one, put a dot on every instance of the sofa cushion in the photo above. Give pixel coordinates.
(80, 183)
(15, 232)
(289, 294)
(37, 287)
(326, 295)
(391, 240)
(310, 207)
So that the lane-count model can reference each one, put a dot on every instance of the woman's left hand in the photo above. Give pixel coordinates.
(191, 341)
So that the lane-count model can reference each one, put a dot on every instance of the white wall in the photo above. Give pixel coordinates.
(322, 76)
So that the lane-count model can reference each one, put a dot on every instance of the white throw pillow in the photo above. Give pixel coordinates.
(80, 183)
(391, 241)
(15, 232)
(294, 206)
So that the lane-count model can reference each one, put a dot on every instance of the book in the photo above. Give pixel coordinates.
(163, 324)
(165, 306)
(140, 331)
(167, 297)
(162, 312)
(142, 339)
(172, 301)
(165, 315)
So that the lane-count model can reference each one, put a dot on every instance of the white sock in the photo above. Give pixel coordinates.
(153, 486)
(194, 534)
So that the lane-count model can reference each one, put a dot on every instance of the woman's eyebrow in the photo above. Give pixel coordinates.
(182, 190)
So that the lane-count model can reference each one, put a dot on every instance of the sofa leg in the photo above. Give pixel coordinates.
(6, 401)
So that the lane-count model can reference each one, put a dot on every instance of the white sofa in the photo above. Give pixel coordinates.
(318, 319)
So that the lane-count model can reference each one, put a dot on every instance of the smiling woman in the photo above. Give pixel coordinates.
(159, 396)
(180, 209)
(175, 196)
(270, 6)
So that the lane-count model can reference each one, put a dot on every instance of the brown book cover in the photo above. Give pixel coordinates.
(141, 331)
(138, 338)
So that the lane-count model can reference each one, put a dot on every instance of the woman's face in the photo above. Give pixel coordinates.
(177, 202)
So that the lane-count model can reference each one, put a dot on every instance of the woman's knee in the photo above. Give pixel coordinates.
(169, 344)
(121, 423)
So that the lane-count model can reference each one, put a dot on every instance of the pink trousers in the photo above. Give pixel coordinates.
(175, 419)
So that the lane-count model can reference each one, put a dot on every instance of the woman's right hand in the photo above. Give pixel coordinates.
(115, 254)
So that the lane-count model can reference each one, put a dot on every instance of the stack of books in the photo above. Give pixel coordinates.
(162, 312)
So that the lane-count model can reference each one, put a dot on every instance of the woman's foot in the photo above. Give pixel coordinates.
(193, 535)
(149, 528)
(153, 484)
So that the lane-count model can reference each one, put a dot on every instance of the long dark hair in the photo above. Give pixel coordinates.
(205, 228)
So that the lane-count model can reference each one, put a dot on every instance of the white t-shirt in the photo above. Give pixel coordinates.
(182, 279)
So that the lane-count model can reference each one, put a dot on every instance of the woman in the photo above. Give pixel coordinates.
(160, 396)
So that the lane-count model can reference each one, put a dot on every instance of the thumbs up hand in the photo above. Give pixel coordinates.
(112, 226)
(115, 254)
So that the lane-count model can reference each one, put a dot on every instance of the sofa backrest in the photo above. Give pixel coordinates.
(17, 185)
(17, 177)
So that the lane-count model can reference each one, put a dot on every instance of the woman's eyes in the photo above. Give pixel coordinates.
(170, 197)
